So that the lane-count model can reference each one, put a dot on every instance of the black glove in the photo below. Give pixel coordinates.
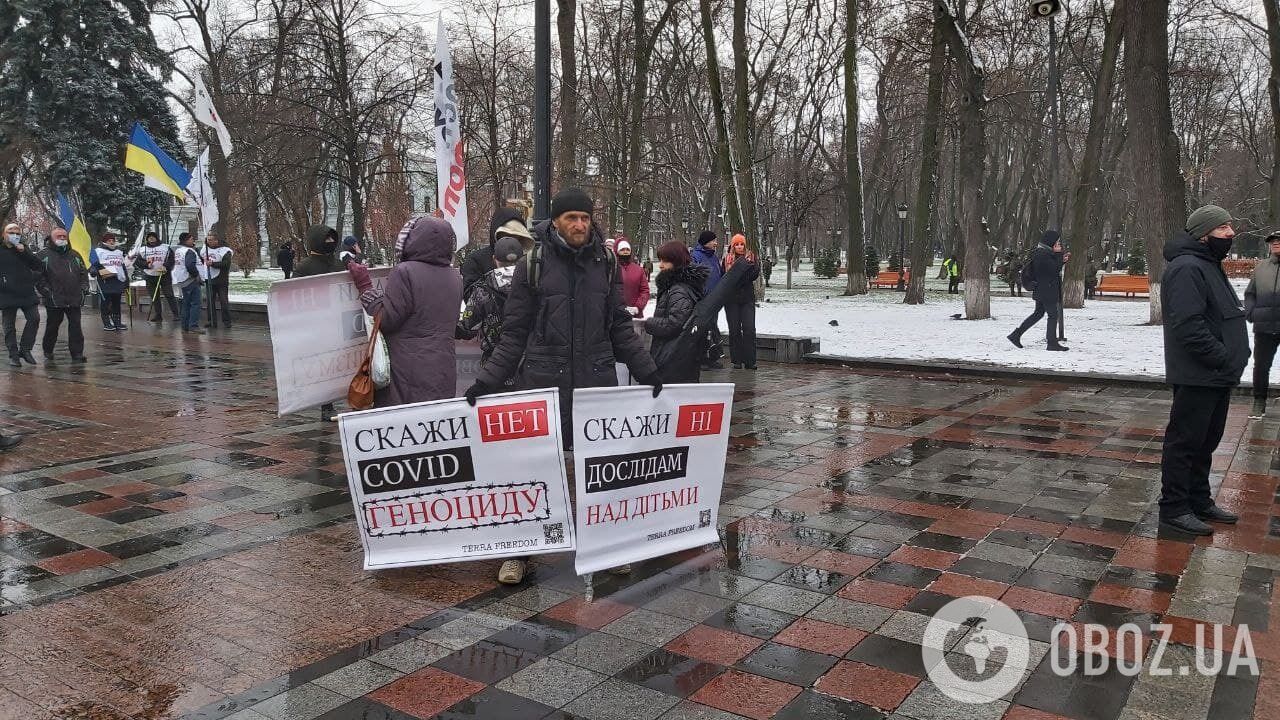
(476, 390)
(652, 379)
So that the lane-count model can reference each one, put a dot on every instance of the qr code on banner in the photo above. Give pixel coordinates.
(704, 518)
(554, 533)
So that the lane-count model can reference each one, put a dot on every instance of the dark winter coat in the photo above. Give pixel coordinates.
(64, 278)
(1206, 341)
(706, 257)
(486, 302)
(679, 290)
(321, 243)
(1046, 268)
(570, 330)
(18, 272)
(1262, 297)
(284, 258)
(419, 310)
(744, 288)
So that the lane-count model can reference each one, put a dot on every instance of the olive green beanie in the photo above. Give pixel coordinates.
(1205, 219)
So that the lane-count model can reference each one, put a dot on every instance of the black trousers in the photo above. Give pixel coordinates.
(288, 272)
(32, 317)
(75, 336)
(218, 299)
(953, 285)
(1043, 309)
(110, 308)
(1197, 420)
(1264, 352)
(166, 291)
(742, 332)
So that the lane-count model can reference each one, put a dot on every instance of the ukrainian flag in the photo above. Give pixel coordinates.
(159, 171)
(76, 232)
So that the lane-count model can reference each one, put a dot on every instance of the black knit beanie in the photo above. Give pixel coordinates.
(1049, 238)
(571, 200)
(706, 237)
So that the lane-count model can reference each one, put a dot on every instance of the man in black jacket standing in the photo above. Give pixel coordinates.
(1206, 347)
(18, 270)
(1046, 261)
(63, 284)
(1262, 307)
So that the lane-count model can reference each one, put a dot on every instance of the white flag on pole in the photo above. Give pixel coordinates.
(207, 115)
(200, 191)
(451, 178)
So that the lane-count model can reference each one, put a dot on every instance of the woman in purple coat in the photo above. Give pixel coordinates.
(419, 306)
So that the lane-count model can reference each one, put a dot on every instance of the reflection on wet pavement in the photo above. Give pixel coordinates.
(170, 548)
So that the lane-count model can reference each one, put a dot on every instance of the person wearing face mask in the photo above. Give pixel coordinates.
(107, 264)
(1045, 275)
(19, 268)
(1206, 348)
(63, 284)
(635, 283)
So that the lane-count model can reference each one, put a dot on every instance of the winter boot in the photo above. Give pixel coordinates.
(1015, 339)
(1259, 409)
(115, 319)
(28, 357)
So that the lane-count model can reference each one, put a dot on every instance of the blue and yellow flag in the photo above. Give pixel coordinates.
(159, 171)
(77, 234)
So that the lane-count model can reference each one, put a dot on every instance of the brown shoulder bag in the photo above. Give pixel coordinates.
(360, 392)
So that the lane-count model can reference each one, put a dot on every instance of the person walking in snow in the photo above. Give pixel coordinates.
(1206, 348)
(1262, 307)
(953, 274)
(1046, 289)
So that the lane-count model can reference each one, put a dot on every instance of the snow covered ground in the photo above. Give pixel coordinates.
(1106, 336)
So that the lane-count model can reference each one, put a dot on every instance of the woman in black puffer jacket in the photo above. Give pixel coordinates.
(680, 283)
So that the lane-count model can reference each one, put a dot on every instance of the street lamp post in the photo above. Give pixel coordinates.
(902, 244)
(768, 234)
(684, 228)
(1050, 9)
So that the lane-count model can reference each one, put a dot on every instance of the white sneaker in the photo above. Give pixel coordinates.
(511, 572)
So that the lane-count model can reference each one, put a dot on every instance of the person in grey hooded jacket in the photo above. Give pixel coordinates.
(419, 307)
(1262, 308)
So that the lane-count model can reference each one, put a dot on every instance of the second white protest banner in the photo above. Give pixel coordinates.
(443, 481)
(648, 471)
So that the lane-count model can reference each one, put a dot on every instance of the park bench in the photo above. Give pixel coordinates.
(1127, 285)
(888, 278)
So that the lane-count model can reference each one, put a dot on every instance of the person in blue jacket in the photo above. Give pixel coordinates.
(704, 254)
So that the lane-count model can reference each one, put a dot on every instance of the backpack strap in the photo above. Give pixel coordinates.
(533, 267)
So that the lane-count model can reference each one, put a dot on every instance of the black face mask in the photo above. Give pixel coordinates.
(1219, 247)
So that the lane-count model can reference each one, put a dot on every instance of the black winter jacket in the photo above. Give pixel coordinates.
(18, 273)
(320, 259)
(1046, 268)
(1206, 341)
(64, 278)
(1262, 297)
(679, 291)
(744, 291)
(568, 332)
(475, 267)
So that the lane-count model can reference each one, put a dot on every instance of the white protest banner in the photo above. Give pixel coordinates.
(317, 337)
(451, 176)
(648, 470)
(442, 481)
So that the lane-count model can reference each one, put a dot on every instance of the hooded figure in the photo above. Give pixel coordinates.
(322, 240)
(419, 309)
(480, 263)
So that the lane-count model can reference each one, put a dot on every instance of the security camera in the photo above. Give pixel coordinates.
(1045, 8)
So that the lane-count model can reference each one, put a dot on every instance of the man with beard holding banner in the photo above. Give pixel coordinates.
(564, 322)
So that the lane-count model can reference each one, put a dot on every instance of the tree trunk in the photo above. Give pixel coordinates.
(972, 162)
(567, 163)
(744, 156)
(723, 162)
(855, 264)
(1081, 234)
(1153, 148)
(926, 193)
(1273, 94)
(639, 99)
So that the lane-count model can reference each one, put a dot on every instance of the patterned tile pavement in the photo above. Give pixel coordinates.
(169, 548)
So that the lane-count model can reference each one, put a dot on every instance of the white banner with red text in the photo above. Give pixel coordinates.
(318, 339)
(442, 481)
(648, 471)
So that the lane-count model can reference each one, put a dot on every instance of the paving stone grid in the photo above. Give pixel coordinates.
(169, 548)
